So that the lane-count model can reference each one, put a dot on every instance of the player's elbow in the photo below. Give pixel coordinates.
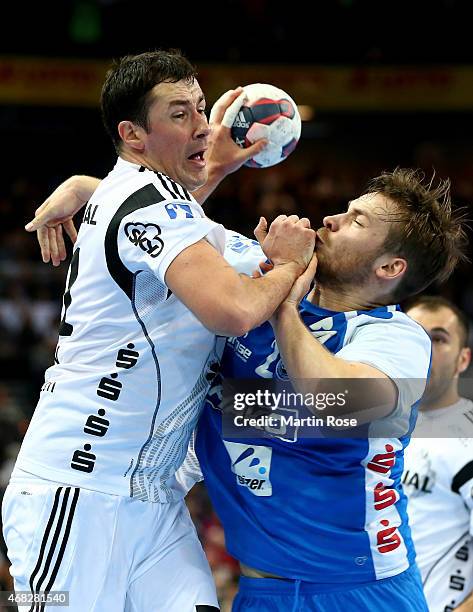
(241, 325)
(231, 321)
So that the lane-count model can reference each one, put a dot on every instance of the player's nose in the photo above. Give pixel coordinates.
(331, 222)
(202, 129)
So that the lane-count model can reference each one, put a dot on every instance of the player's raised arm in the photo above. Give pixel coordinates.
(56, 214)
(223, 158)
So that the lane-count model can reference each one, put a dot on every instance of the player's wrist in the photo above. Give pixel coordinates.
(284, 313)
(214, 178)
(216, 172)
(294, 267)
(80, 189)
(288, 308)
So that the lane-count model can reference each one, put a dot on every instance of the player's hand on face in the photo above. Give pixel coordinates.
(289, 239)
(224, 156)
(302, 285)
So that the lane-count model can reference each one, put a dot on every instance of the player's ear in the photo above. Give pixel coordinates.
(464, 359)
(131, 135)
(391, 269)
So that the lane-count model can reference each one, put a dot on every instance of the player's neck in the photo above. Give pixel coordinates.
(140, 160)
(339, 300)
(446, 399)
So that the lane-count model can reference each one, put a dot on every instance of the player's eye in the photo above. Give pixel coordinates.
(439, 340)
(179, 115)
(358, 223)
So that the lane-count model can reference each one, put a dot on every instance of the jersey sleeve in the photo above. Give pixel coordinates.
(242, 253)
(399, 348)
(460, 460)
(152, 237)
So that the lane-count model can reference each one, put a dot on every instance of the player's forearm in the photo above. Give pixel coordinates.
(312, 369)
(466, 606)
(260, 297)
(82, 187)
(60, 207)
(304, 357)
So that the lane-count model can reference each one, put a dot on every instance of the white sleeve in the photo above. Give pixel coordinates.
(399, 348)
(151, 238)
(242, 253)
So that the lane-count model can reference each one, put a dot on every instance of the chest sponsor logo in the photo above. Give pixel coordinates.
(251, 465)
(146, 236)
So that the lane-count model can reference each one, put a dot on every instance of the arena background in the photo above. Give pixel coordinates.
(381, 84)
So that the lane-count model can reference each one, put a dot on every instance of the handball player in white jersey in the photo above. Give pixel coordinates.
(438, 470)
(93, 506)
(348, 232)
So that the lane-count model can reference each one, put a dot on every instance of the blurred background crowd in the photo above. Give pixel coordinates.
(375, 95)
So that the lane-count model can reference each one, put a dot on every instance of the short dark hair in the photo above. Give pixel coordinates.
(432, 303)
(125, 92)
(425, 230)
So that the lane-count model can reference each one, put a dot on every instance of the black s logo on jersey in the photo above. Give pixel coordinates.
(146, 237)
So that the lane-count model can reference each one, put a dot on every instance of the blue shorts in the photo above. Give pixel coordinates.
(401, 593)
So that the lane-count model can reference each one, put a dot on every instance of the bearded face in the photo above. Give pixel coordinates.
(343, 263)
(349, 243)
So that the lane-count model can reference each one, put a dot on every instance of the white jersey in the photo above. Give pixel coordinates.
(133, 364)
(438, 480)
(244, 255)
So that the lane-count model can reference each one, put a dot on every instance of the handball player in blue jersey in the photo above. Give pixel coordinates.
(320, 524)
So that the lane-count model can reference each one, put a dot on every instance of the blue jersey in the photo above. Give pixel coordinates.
(320, 509)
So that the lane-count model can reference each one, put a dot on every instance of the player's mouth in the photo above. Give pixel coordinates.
(198, 158)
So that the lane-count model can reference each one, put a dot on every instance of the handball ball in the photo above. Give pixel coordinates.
(268, 113)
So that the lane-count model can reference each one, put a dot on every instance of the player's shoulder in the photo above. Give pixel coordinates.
(138, 187)
(390, 341)
(169, 189)
(404, 322)
(453, 424)
(388, 322)
(458, 422)
(455, 428)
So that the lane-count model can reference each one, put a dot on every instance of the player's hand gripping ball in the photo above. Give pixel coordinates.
(270, 113)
